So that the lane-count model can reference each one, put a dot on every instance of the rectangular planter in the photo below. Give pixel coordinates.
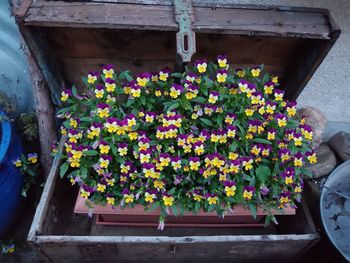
(137, 216)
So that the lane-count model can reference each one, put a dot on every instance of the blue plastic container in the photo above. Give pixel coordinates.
(11, 181)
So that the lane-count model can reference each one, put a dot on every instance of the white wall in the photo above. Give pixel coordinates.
(329, 88)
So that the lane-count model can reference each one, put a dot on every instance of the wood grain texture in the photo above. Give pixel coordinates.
(272, 22)
(44, 112)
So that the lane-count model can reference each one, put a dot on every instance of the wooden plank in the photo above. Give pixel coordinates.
(44, 113)
(265, 22)
(101, 15)
(20, 7)
(276, 251)
(44, 59)
(168, 239)
(224, 20)
(41, 210)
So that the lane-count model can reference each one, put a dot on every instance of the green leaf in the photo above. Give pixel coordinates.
(176, 75)
(84, 172)
(173, 106)
(211, 208)
(63, 169)
(233, 146)
(74, 91)
(90, 153)
(262, 173)
(143, 100)
(125, 75)
(261, 140)
(175, 212)
(253, 210)
(199, 100)
(207, 122)
(130, 102)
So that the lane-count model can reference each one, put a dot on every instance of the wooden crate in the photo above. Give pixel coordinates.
(68, 38)
(62, 236)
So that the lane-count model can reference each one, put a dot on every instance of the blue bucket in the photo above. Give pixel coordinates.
(11, 181)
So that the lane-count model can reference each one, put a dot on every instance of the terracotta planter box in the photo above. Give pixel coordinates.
(137, 216)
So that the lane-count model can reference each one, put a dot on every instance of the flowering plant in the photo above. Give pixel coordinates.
(28, 166)
(210, 138)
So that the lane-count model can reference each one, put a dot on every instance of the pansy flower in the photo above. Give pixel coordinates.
(264, 190)
(194, 163)
(110, 200)
(150, 195)
(278, 94)
(222, 61)
(103, 110)
(243, 85)
(164, 74)
(127, 87)
(128, 197)
(231, 131)
(110, 85)
(247, 163)
(266, 150)
(201, 65)
(291, 108)
(99, 91)
(65, 95)
(192, 91)
(176, 90)
(269, 87)
(306, 131)
(240, 72)
(135, 91)
(288, 176)
(122, 149)
(270, 107)
(198, 147)
(142, 79)
(298, 139)
(176, 163)
(281, 120)
(101, 187)
(221, 75)
(298, 160)
(312, 157)
(256, 97)
(230, 188)
(197, 196)
(105, 160)
(284, 155)
(255, 71)
(17, 163)
(111, 125)
(212, 199)
(104, 147)
(248, 192)
(168, 200)
(230, 118)
(191, 77)
(284, 198)
(32, 157)
(271, 134)
(108, 71)
(249, 112)
(92, 77)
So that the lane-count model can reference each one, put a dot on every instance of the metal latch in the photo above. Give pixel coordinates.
(185, 38)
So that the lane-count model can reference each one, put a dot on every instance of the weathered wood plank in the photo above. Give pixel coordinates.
(44, 113)
(20, 7)
(45, 60)
(101, 15)
(161, 17)
(41, 210)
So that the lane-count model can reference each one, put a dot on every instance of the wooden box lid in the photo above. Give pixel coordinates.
(70, 38)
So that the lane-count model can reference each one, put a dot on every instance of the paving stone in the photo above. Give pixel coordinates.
(340, 143)
(326, 161)
(317, 120)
